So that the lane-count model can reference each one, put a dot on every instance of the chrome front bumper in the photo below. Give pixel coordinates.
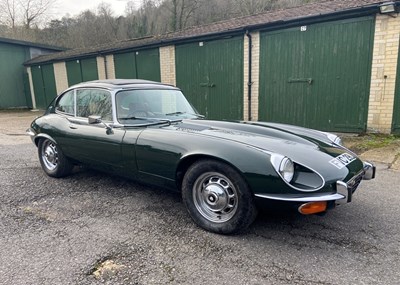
(31, 133)
(343, 195)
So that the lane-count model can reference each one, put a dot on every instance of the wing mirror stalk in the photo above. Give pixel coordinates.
(97, 120)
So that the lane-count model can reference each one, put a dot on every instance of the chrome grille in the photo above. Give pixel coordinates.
(355, 181)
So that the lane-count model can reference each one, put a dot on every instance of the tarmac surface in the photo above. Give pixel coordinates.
(91, 228)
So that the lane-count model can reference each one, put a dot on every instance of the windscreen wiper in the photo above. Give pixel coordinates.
(134, 118)
(154, 122)
(181, 113)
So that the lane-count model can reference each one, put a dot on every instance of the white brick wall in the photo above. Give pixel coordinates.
(383, 73)
(101, 68)
(60, 74)
(110, 67)
(167, 65)
(255, 76)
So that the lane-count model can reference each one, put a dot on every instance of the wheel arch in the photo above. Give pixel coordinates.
(43, 136)
(187, 161)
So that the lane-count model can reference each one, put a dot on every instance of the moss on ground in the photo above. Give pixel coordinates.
(367, 142)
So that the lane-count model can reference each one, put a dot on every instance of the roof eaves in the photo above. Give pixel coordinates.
(31, 44)
(201, 32)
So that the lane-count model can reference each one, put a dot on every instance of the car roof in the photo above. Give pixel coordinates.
(124, 84)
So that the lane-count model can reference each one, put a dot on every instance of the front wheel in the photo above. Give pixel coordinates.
(217, 198)
(53, 161)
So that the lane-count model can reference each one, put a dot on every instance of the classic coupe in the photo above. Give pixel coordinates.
(149, 132)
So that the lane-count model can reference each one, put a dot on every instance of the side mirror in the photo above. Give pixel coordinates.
(97, 120)
(94, 119)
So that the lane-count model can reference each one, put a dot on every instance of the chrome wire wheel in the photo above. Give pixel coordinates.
(215, 197)
(50, 155)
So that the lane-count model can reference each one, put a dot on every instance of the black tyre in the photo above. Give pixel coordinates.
(53, 161)
(217, 197)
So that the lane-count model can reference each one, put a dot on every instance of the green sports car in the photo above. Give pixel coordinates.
(149, 132)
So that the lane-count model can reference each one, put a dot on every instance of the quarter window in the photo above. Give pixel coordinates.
(66, 103)
(94, 102)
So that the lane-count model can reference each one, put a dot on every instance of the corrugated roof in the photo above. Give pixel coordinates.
(30, 44)
(258, 21)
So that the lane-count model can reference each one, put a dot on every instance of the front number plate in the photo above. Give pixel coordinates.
(342, 160)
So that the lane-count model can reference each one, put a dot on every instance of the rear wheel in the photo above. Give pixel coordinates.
(217, 198)
(53, 161)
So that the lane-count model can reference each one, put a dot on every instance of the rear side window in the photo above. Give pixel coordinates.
(94, 102)
(66, 103)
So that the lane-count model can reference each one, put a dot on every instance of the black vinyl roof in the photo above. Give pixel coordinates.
(313, 12)
(123, 84)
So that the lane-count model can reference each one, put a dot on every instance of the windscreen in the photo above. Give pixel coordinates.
(152, 103)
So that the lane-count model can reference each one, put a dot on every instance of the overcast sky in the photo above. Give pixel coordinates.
(74, 7)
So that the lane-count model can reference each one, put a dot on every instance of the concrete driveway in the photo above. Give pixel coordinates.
(91, 228)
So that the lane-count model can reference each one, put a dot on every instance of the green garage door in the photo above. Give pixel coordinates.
(81, 70)
(44, 85)
(144, 64)
(396, 110)
(211, 76)
(12, 58)
(317, 76)
(125, 65)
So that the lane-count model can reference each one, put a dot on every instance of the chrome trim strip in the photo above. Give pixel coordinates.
(322, 197)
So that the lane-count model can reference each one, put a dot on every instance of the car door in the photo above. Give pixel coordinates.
(92, 143)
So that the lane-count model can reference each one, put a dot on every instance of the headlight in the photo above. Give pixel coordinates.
(286, 169)
(284, 166)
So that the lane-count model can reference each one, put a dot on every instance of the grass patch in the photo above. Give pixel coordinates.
(367, 142)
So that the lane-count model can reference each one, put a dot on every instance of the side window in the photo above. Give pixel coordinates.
(66, 103)
(94, 102)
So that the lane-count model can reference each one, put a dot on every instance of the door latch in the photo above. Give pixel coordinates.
(301, 80)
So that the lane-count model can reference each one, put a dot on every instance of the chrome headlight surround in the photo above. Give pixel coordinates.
(334, 138)
(284, 166)
(286, 169)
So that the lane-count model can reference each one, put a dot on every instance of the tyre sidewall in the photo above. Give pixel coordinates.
(246, 210)
(63, 167)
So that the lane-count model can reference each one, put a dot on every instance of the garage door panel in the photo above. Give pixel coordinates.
(125, 65)
(38, 87)
(74, 72)
(49, 81)
(148, 64)
(191, 74)
(317, 76)
(89, 69)
(211, 75)
(396, 108)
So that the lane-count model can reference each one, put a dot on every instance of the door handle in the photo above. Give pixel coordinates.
(72, 126)
(301, 80)
(207, 84)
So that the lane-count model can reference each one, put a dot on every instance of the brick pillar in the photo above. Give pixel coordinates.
(383, 73)
(60, 75)
(167, 65)
(255, 67)
(110, 67)
(101, 68)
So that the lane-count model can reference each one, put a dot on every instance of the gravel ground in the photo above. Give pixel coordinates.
(90, 228)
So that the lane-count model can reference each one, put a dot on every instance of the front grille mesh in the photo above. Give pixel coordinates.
(355, 181)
